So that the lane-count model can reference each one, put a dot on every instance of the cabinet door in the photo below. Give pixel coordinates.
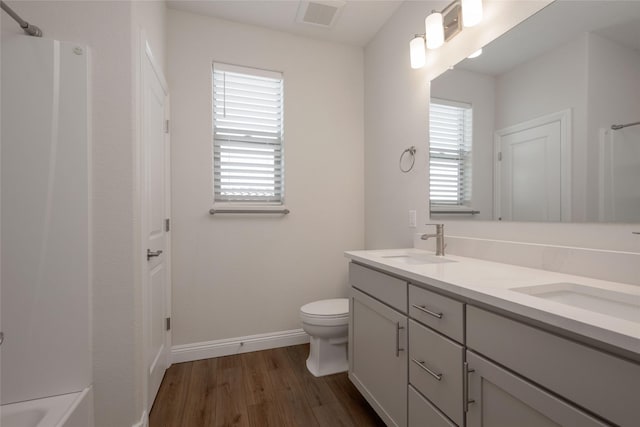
(502, 399)
(377, 356)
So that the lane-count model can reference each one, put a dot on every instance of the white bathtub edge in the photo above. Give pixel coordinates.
(80, 413)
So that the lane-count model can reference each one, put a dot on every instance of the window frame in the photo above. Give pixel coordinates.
(254, 201)
(464, 188)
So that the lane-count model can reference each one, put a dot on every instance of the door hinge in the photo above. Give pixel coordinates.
(499, 156)
(167, 323)
(167, 224)
(166, 126)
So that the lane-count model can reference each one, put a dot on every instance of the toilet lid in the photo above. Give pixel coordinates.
(327, 307)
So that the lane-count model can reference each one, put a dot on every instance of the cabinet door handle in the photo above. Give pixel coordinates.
(424, 309)
(421, 364)
(398, 349)
(151, 254)
(465, 386)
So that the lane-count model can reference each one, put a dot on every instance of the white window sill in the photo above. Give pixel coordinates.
(453, 210)
(236, 208)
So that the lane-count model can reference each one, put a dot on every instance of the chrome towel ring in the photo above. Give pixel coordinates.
(412, 152)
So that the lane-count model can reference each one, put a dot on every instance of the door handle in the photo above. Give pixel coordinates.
(465, 386)
(151, 254)
(398, 349)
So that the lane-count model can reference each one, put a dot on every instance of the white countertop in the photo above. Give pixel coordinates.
(492, 283)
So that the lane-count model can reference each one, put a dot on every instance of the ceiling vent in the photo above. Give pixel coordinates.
(319, 13)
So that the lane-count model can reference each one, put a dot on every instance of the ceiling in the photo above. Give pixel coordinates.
(556, 24)
(357, 21)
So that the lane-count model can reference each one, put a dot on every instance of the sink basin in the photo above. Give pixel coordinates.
(616, 304)
(417, 259)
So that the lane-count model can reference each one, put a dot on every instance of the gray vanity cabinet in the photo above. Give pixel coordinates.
(425, 359)
(605, 384)
(377, 345)
(498, 398)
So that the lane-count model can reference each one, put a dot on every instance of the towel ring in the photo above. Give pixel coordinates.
(412, 152)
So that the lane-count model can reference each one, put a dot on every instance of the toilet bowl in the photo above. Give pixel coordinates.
(327, 323)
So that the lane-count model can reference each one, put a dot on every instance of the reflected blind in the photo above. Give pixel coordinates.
(247, 135)
(450, 143)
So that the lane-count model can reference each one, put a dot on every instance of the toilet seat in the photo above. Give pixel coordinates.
(328, 312)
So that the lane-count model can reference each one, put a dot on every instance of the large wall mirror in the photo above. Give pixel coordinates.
(543, 121)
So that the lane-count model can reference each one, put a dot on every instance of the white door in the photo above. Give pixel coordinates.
(532, 171)
(155, 211)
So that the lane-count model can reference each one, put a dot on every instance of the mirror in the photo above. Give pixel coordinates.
(544, 97)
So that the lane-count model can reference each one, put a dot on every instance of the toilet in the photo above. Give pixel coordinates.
(327, 323)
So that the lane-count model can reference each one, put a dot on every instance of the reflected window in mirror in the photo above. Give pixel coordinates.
(450, 154)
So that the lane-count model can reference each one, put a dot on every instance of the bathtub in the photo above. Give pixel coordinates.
(65, 410)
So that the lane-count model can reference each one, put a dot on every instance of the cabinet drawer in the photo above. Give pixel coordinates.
(443, 314)
(435, 369)
(387, 289)
(423, 413)
(604, 384)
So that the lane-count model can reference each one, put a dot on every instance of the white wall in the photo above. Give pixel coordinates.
(109, 29)
(235, 276)
(389, 193)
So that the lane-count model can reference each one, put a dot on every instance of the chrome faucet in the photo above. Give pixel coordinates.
(439, 235)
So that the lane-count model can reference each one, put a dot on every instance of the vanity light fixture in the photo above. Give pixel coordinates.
(434, 30)
(443, 26)
(416, 51)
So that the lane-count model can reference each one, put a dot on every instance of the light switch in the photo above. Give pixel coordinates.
(412, 219)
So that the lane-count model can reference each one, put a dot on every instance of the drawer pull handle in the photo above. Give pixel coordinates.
(429, 371)
(465, 386)
(398, 349)
(424, 309)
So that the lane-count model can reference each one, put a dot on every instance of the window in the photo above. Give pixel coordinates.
(247, 135)
(450, 141)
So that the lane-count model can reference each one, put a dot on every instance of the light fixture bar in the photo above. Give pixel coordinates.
(452, 17)
(443, 26)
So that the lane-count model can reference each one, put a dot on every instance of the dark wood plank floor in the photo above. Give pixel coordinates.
(263, 388)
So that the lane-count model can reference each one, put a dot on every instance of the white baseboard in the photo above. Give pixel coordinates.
(144, 420)
(225, 347)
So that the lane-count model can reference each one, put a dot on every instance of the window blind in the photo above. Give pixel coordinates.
(247, 135)
(450, 143)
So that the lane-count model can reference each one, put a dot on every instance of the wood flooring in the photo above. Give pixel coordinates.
(263, 388)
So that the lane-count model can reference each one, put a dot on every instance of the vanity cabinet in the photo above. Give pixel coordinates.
(607, 385)
(378, 343)
(423, 358)
(498, 398)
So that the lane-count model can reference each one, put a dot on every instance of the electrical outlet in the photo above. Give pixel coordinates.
(412, 219)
